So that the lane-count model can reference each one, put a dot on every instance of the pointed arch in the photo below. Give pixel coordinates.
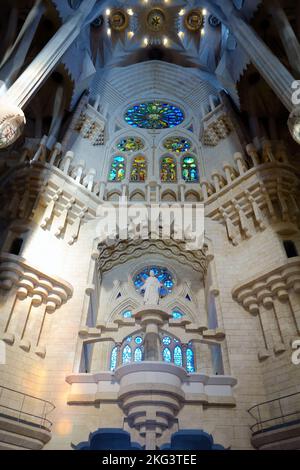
(138, 355)
(189, 169)
(117, 168)
(169, 196)
(167, 355)
(178, 356)
(113, 358)
(138, 171)
(168, 169)
(126, 354)
(190, 360)
(137, 196)
(192, 196)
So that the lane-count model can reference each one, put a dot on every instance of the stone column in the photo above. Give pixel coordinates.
(271, 69)
(287, 35)
(20, 93)
(15, 56)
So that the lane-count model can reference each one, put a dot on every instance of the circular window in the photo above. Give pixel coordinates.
(162, 274)
(154, 115)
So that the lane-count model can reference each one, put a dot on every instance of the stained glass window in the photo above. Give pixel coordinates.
(138, 355)
(168, 170)
(126, 355)
(127, 314)
(166, 340)
(138, 340)
(177, 315)
(177, 144)
(162, 274)
(154, 115)
(138, 169)
(130, 144)
(189, 169)
(178, 356)
(190, 363)
(117, 169)
(167, 356)
(113, 358)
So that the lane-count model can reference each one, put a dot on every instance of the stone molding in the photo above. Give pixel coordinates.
(262, 289)
(14, 270)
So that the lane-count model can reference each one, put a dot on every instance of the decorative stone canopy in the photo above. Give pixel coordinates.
(119, 252)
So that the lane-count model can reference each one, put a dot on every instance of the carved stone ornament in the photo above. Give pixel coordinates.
(12, 121)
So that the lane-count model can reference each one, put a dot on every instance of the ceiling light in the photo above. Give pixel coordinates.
(107, 12)
(165, 41)
(182, 12)
(146, 41)
(181, 34)
(204, 12)
(130, 34)
(108, 32)
(202, 32)
(130, 11)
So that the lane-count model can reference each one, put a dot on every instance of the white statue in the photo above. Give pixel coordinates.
(151, 287)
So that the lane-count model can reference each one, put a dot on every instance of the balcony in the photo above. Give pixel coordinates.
(277, 425)
(24, 422)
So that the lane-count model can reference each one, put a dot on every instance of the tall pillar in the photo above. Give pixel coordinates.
(37, 72)
(271, 69)
(15, 55)
(287, 35)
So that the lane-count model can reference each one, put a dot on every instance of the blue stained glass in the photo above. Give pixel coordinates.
(162, 274)
(117, 169)
(126, 354)
(154, 115)
(138, 355)
(190, 364)
(138, 340)
(113, 358)
(166, 340)
(177, 315)
(178, 356)
(128, 339)
(127, 314)
(167, 356)
(190, 170)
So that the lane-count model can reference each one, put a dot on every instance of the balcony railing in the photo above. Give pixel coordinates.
(277, 413)
(25, 409)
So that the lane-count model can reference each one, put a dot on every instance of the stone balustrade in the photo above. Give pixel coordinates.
(219, 181)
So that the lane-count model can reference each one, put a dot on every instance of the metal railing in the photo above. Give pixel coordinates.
(25, 408)
(275, 413)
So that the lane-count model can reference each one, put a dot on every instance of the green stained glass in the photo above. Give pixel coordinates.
(168, 171)
(130, 144)
(117, 169)
(177, 144)
(138, 169)
(154, 115)
(189, 170)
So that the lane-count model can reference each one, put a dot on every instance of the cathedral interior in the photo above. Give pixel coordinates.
(140, 343)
